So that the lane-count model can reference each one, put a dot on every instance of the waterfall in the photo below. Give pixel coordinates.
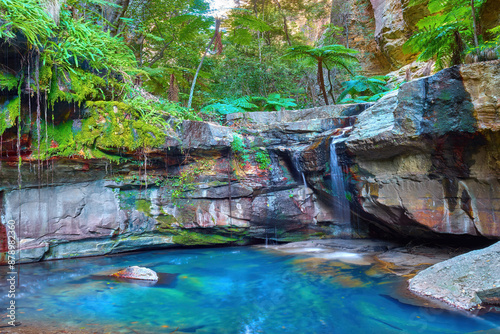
(296, 164)
(341, 208)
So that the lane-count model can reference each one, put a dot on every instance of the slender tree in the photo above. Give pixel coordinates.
(216, 33)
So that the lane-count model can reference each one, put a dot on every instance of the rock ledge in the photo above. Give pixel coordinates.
(465, 281)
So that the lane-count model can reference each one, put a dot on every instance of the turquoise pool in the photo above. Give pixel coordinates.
(228, 290)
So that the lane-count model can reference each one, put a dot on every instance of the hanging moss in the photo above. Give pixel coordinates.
(98, 154)
(9, 111)
(59, 141)
(45, 77)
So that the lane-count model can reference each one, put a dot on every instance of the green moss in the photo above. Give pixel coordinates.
(190, 238)
(143, 206)
(45, 77)
(98, 154)
(117, 125)
(9, 111)
(165, 222)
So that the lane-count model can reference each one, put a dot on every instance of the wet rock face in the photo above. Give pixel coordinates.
(197, 190)
(465, 281)
(426, 156)
(421, 162)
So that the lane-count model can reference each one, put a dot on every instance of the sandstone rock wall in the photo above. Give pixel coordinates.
(427, 156)
(196, 190)
(421, 162)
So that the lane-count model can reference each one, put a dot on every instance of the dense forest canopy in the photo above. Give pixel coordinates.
(158, 59)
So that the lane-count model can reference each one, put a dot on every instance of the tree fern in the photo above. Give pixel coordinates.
(447, 33)
(331, 56)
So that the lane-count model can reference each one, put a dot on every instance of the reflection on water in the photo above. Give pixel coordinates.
(228, 290)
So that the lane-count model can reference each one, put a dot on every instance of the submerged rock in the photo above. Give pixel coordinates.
(135, 272)
(465, 281)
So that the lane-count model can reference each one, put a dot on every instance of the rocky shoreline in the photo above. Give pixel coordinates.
(462, 278)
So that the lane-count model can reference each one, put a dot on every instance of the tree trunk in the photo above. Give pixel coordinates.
(331, 85)
(285, 24)
(256, 12)
(476, 44)
(217, 25)
(322, 80)
(456, 56)
(347, 32)
(115, 21)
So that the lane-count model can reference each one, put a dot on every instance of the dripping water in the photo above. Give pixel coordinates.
(341, 208)
(46, 138)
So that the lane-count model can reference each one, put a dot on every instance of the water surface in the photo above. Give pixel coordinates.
(228, 290)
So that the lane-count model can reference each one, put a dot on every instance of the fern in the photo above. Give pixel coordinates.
(241, 23)
(363, 86)
(337, 56)
(446, 34)
(276, 102)
(230, 106)
(27, 17)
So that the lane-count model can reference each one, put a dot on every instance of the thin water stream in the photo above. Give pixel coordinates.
(340, 203)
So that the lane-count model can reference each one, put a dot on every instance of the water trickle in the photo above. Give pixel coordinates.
(305, 184)
(341, 208)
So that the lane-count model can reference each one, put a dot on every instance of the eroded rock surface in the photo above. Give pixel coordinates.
(465, 281)
(421, 162)
(427, 155)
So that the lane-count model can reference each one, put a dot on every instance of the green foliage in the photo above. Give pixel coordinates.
(9, 112)
(241, 23)
(27, 17)
(118, 125)
(446, 34)
(249, 103)
(8, 81)
(228, 106)
(275, 102)
(186, 181)
(487, 50)
(263, 159)
(371, 88)
(60, 141)
(241, 72)
(331, 56)
(72, 86)
(238, 146)
(109, 126)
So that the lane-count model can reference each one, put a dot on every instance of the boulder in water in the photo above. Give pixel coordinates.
(135, 272)
(465, 281)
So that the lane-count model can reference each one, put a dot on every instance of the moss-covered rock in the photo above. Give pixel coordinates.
(191, 238)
